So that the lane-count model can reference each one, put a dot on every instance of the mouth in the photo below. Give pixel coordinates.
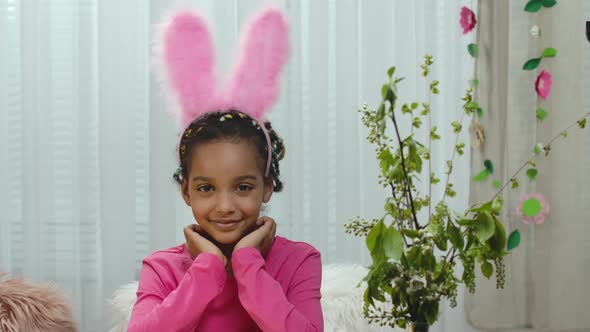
(225, 225)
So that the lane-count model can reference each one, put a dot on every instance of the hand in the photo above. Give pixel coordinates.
(261, 238)
(197, 243)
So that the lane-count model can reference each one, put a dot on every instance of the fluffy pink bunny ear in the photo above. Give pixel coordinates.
(264, 48)
(187, 55)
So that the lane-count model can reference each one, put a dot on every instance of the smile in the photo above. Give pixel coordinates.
(225, 225)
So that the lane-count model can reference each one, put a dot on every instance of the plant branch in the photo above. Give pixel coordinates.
(452, 159)
(535, 155)
(406, 180)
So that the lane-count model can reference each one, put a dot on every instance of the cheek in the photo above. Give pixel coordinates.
(201, 206)
(249, 206)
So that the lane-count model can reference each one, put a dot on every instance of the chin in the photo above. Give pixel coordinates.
(227, 238)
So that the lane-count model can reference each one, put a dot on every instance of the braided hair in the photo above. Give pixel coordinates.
(230, 125)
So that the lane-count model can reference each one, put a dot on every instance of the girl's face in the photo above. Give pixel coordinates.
(225, 188)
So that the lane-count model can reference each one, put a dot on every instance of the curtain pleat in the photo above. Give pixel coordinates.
(88, 146)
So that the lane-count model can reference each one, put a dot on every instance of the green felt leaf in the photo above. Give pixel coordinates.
(533, 6)
(484, 226)
(541, 114)
(473, 50)
(532, 173)
(513, 239)
(549, 3)
(481, 176)
(549, 52)
(393, 243)
(489, 166)
(479, 112)
(531, 207)
(487, 269)
(531, 64)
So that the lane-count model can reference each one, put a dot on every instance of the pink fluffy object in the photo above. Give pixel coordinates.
(187, 58)
(25, 306)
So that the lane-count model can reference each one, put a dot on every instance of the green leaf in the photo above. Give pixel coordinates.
(541, 114)
(475, 82)
(455, 236)
(533, 6)
(549, 3)
(487, 269)
(375, 243)
(538, 148)
(465, 222)
(513, 239)
(514, 183)
(496, 184)
(431, 312)
(582, 123)
(549, 52)
(471, 105)
(498, 241)
(384, 91)
(497, 204)
(393, 243)
(489, 166)
(481, 176)
(373, 235)
(390, 71)
(479, 112)
(411, 233)
(484, 226)
(441, 242)
(532, 173)
(473, 50)
(532, 64)
(564, 134)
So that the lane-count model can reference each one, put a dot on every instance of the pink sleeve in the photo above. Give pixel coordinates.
(263, 297)
(182, 308)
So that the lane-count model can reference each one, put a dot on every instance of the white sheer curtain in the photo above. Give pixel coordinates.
(546, 277)
(87, 147)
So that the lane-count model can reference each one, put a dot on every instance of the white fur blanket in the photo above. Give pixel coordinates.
(342, 301)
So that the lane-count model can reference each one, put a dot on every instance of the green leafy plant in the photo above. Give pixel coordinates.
(414, 262)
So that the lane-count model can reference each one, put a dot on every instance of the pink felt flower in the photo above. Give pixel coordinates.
(467, 20)
(532, 208)
(543, 84)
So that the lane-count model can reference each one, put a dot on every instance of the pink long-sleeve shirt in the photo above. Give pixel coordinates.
(279, 293)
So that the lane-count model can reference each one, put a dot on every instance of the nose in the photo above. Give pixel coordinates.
(225, 204)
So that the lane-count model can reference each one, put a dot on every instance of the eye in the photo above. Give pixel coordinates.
(205, 188)
(244, 187)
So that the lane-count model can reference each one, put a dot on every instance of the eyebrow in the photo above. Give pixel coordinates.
(239, 178)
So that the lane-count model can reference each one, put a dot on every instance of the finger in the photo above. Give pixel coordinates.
(197, 228)
(260, 221)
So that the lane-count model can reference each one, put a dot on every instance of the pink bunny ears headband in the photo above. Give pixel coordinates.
(186, 52)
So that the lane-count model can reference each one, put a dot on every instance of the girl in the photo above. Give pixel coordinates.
(232, 273)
